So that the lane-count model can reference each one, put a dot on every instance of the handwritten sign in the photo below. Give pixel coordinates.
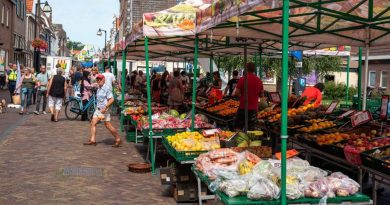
(346, 114)
(331, 107)
(384, 106)
(360, 118)
(275, 97)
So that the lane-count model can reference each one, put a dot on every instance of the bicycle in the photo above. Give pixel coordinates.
(74, 107)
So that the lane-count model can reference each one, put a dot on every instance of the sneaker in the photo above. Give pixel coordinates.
(44, 112)
(36, 112)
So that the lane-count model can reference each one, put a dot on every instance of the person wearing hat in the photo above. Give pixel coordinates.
(104, 99)
(56, 90)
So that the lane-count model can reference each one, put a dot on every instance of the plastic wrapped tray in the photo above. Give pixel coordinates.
(378, 164)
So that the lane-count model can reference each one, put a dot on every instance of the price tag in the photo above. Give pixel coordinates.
(346, 114)
(331, 107)
(275, 97)
(360, 118)
(384, 106)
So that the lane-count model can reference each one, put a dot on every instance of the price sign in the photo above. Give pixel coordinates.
(346, 114)
(275, 97)
(384, 106)
(360, 118)
(331, 107)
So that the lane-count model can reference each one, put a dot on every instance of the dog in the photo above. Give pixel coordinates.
(3, 106)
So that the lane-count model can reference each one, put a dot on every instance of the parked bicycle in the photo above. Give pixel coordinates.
(74, 107)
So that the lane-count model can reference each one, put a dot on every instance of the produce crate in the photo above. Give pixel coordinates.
(181, 156)
(185, 192)
(205, 179)
(243, 200)
(374, 163)
(334, 150)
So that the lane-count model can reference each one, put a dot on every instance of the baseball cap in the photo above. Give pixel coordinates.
(100, 76)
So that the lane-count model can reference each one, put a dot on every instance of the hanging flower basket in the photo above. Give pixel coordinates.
(40, 44)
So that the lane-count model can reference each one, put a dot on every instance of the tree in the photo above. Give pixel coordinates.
(323, 65)
(74, 45)
(230, 63)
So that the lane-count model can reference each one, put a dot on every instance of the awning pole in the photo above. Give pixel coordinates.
(365, 77)
(256, 64)
(347, 97)
(115, 67)
(150, 134)
(124, 52)
(261, 62)
(246, 89)
(284, 136)
(359, 87)
(194, 83)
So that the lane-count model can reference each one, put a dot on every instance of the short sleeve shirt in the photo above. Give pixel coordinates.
(255, 86)
(43, 78)
(232, 84)
(109, 78)
(102, 96)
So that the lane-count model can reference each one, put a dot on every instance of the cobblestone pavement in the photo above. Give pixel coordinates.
(43, 162)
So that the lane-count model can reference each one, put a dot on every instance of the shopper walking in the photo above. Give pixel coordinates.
(26, 84)
(156, 88)
(94, 73)
(56, 93)
(11, 78)
(176, 91)
(109, 78)
(42, 82)
(104, 99)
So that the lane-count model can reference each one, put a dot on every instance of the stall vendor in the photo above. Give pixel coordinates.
(313, 94)
(255, 90)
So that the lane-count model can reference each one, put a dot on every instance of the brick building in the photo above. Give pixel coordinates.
(19, 32)
(6, 31)
(60, 33)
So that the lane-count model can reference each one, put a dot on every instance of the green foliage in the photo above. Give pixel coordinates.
(338, 91)
(75, 45)
(323, 65)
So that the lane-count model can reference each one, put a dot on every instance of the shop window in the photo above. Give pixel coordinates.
(2, 14)
(7, 17)
(383, 79)
(371, 78)
(329, 78)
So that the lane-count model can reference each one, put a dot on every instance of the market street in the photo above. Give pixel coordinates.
(42, 162)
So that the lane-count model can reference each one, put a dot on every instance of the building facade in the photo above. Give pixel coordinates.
(6, 32)
(19, 32)
(60, 33)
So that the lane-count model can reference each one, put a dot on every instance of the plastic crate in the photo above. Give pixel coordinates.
(205, 179)
(243, 200)
(374, 163)
(181, 156)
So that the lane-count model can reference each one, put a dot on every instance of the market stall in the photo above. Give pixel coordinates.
(258, 23)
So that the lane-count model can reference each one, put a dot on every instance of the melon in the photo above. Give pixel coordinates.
(182, 116)
(174, 113)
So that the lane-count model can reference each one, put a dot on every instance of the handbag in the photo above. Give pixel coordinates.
(16, 99)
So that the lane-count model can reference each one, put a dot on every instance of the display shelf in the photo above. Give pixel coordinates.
(184, 157)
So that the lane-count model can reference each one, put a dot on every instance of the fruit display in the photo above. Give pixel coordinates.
(266, 113)
(311, 121)
(248, 140)
(317, 126)
(193, 141)
(381, 154)
(165, 121)
(134, 111)
(327, 139)
(291, 112)
(226, 108)
(224, 135)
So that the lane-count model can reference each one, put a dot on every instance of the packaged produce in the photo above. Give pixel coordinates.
(317, 189)
(234, 187)
(264, 189)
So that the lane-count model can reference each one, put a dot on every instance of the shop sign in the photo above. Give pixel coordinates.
(346, 114)
(331, 107)
(274, 97)
(384, 106)
(360, 118)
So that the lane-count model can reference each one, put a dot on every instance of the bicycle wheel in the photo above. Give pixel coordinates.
(72, 109)
(90, 111)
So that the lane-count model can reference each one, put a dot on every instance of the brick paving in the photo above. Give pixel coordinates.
(42, 162)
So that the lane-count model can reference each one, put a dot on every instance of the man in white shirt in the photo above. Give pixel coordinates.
(109, 78)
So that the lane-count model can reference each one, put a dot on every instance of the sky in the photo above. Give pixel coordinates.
(83, 18)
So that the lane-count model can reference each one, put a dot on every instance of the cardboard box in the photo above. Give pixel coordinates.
(185, 192)
(168, 175)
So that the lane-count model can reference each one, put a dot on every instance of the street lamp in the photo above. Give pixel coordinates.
(100, 33)
(46, 9)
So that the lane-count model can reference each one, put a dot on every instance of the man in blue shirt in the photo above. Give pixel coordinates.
(104, 99)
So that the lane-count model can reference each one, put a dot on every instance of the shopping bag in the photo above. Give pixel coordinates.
(16, 99)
